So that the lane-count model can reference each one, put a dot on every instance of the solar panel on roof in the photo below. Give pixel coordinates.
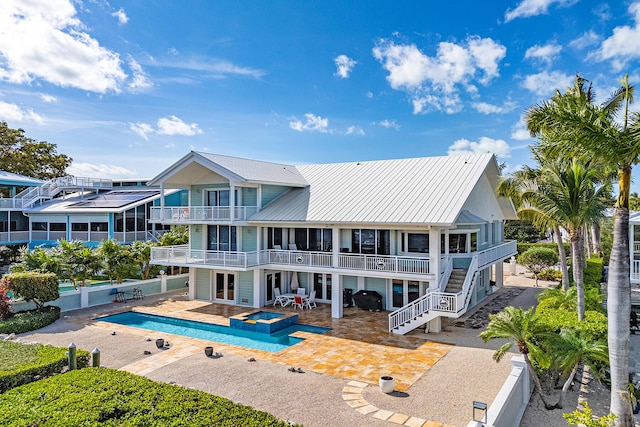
(114, 199)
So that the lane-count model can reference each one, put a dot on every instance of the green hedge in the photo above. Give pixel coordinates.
(523, 247)
(594, 323)
(24, 363)
(99, 396)
(26, 321)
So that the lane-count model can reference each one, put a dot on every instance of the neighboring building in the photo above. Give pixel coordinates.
(14, 225)
(86, 209)
(634, 245)
(425, 233)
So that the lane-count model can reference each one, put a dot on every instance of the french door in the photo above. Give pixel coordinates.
(405, 291)
(273, 280)
(322, 284)
(223, 287)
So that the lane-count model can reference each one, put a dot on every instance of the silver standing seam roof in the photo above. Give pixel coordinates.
(420, 191)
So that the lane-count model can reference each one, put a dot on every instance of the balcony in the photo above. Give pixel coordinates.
(183, 256)
(384, 263)
(201, 214)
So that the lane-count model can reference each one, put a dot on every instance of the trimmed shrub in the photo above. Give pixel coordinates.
(594, 324)
(32, 286)
(523, 247)
(24, 363)
(99, 396)
(26, 321)
(538, 259)
(550, 274)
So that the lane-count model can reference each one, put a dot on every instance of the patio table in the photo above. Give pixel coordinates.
(290, 298)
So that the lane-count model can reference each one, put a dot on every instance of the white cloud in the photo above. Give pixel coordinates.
(355, 130)
(485, 145)
(434, 82)
(486, 108)
(49, 99)
(141, 129)
(389, 124)
(211, 67)
(99, 170)
(587, 39)
(48, 30)
(344, 65)
(544, 53)
(622, 46)
(122, 17)
(528, 8)
(546, 82)
(173, 125)
(313, 123)
(13, 113)
(519, 132)
(140, 80)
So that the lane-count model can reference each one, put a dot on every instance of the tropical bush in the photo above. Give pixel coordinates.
(26, 321)
(24, 363)
(538, 259)
(523, 247)
(32, 286)
(97, 396)
(550, 274)
(5, 303)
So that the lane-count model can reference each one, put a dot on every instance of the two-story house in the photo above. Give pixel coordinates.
(425, 233)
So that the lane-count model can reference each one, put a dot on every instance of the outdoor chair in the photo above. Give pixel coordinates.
(279, 298)
(302, 291)
(311, 301)
(298, 302)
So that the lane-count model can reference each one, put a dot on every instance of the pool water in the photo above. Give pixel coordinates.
(272, 343)
(264, 315)
(68, 286)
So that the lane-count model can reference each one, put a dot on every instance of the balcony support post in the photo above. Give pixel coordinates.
(336, 296)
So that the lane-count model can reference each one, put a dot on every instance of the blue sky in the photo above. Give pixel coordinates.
(127, 88)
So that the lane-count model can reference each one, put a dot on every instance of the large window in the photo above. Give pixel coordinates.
(99, 226)
(218, 198)
(368, 241)
(460, 243)
(79, 226)
(415, 243)
(274, 237)
(313, 239)
(222, 238)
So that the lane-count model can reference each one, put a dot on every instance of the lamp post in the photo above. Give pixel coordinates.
(479, 412)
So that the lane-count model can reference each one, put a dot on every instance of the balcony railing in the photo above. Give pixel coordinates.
(384, 263)
(182, 255)
(14, 236)
(496, 253)
(201, 214)
(300, 258)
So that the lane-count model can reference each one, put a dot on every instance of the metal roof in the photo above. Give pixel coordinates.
(9, 178)
(234, 169)
(420, 191)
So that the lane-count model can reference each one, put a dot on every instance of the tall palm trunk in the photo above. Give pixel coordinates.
(563, 258)
(577, 254)
(619, 307)
(595, 239)
(536, 381)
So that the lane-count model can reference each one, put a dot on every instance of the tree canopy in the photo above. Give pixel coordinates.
(26, 156)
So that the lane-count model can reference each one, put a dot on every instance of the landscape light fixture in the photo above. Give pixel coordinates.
(479, 411)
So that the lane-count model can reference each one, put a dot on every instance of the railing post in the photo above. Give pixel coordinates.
(71, 355)
(95, 357)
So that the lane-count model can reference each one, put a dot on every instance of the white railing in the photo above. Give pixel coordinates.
(130, 236)
(182, 255)
(201, 214)
(52, 187)
(80, 235)
(300, 258)
(14, 236)
(439, 301)
(496, 253)
(384, 263)
(446, 273)
(11, 203)
(465, 293)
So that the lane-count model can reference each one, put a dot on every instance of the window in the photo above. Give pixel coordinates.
(222, 238)
(274, 237)
(39, 226)
(458, 242)
(57, 226)
(99, 226)
(368, 241)
(79, 226)
(417, 243)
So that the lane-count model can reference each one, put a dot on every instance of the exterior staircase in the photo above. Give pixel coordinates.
(456, 280)
(54, 186)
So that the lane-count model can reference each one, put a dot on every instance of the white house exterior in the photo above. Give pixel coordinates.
(398, 227)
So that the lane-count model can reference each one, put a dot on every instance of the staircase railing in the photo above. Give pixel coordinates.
(446, 274)
(410, 311)
(466, 286)
(53, 186)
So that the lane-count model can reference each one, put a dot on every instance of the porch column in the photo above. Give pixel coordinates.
(335, 246)
(336, 297)
(232, 202)
(434, 253)
(162, 200)
(257, 289)
(499, 274)
(360, 283)
(259, 197)
(192, 283)
(434, 325)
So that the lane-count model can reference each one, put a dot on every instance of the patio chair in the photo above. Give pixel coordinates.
(279, 299)
(301, 291)
(311, 301)
(298, 302)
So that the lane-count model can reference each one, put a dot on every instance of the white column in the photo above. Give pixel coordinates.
(434, 325)
(84, 297)
(257, 289)
(336, 296)
(259, 197)
(499, 274)
(192, 283)
(162, 200)
(335, 246)
(163, 282)
(360, 283)
(232, 201)
(434, 253)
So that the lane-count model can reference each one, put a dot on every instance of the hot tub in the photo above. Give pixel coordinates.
(266, 322)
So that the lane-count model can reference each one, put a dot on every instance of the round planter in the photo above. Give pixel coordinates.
(387, 384)
(160, 342)
(208, 351)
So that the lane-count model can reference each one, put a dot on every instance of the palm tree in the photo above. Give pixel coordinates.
(512, 187)
(520, 327)
(568, 194)
(569, 123)
(117, 262)
(575, 349)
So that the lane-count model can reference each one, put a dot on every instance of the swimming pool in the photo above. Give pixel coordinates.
(272, 343)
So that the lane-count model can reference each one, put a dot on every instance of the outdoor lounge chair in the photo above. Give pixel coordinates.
(279, 299)
(311, 301)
